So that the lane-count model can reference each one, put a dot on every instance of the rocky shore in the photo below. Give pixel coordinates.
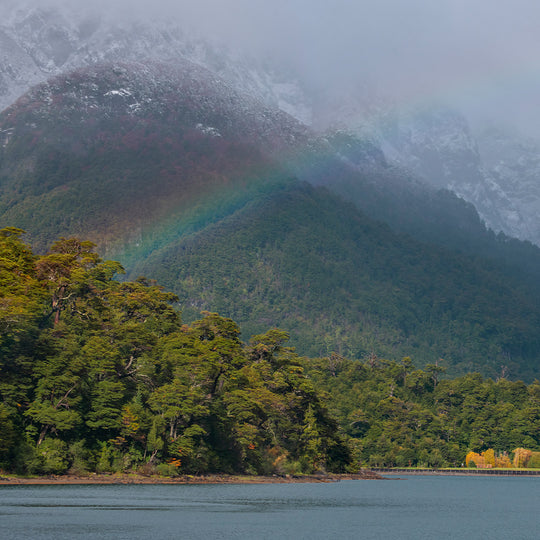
(185, 479)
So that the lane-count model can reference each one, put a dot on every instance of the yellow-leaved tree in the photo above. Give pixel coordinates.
(521, 457)
(473, 459)
(489, 458)
(502, 461)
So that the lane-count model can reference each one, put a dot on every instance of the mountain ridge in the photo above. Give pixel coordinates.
(204, 131)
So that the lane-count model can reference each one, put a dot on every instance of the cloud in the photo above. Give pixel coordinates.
(481, 54)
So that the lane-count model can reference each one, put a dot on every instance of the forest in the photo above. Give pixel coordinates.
(101, 374)
(338, 281)
(395, 415)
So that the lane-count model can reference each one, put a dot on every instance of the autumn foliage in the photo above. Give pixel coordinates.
(489, 459)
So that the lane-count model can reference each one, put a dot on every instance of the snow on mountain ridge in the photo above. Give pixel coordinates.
(180, 92)
(437, 145)
(46, 42)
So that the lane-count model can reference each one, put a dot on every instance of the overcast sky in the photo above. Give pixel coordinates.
(482, 54)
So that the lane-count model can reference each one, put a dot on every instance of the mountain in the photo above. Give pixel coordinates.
(435, 143)
(495, 171)
(185, 179)
(149, 139)
(167, 139)
(303, 259)
(42, 42)
(513, 165)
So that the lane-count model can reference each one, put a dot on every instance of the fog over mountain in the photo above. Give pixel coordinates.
(428, 83)
(478, 54)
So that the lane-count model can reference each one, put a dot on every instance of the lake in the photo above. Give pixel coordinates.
(413, 507)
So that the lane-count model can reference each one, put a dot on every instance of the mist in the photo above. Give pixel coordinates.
(478, 55)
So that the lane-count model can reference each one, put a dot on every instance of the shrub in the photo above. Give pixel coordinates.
(80, 458)
(167, 469)
(53, 454)
(521, 457)
(534, 460)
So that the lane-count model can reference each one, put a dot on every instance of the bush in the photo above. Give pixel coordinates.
(147, 469)
(534, 460)
(167, 469)
(80, 458)
(53, 457)
(27, 460)
(376, 460)
(105, 459)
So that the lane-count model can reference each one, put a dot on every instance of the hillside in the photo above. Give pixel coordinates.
(435, 143)
(432, 215)
(147, 140)
(304, 260)
(495, 169)
(185, 179)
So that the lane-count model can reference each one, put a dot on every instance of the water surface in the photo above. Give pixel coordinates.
(416, 507)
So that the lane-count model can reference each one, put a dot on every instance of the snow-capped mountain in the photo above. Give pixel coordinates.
(127, 143)
(499, 174)
(513, 169)
(38, 43)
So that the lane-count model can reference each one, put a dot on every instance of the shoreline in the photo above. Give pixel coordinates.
(458, 472)
(124, 479)
(139, 479)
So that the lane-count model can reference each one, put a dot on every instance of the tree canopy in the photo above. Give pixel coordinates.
(100, 374)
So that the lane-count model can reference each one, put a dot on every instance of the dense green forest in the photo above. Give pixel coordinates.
(397, 415)
(338, 281)
(99, 374)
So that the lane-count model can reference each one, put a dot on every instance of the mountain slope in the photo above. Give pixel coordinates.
(42, 42)
(358, 170)
(151, 160)
(151, 140)
(434, 143)
(513, 169)
(304, 260)
(170, 147)
(492, 170)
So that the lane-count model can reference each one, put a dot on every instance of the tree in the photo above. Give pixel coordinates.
(64, 271)
(521, 457)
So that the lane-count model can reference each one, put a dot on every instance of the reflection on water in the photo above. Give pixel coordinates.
(413, 508)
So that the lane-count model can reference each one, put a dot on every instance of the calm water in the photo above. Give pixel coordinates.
(416, 507)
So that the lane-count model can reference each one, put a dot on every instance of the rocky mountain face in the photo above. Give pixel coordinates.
(513, 171)
(495, 171)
